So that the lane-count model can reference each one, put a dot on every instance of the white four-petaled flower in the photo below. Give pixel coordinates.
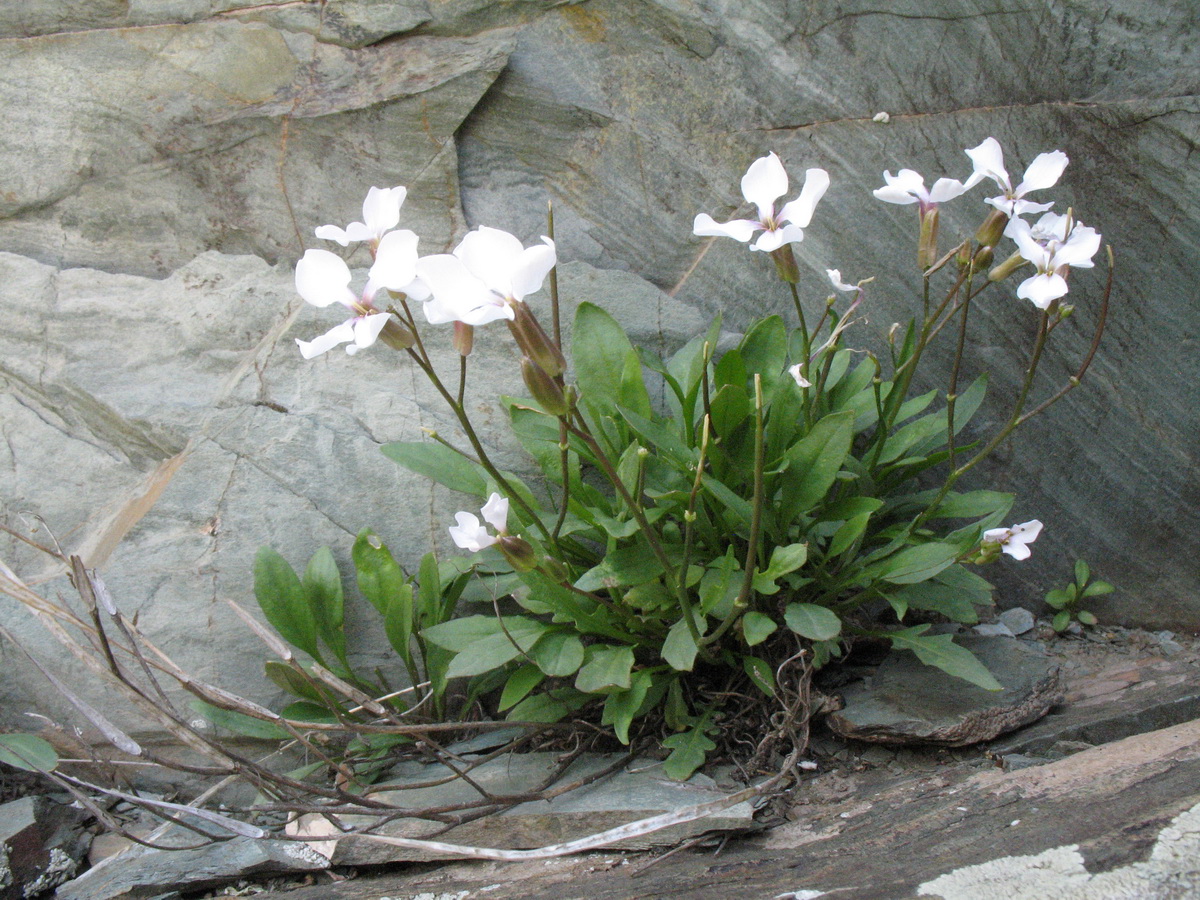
(907, 186)
(1043, 172)
(381, 213)
(469, 534)
(1053, 244)
(323, 278)
(488, 272)
(1014, 541)
(764, 183)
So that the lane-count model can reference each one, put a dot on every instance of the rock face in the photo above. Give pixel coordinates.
(907, 702)
(162, 166)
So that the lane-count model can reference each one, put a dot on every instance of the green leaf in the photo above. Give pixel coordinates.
(940, 651)
(1097, 588)
(558, 654)
(739, 506)
(678, 648)
(730, 407)
(813, 622)
(783, 560)
(284, 601)
(599, 348)
(764, 351)
(496, 650)
(458, 634)
(718, 587)
(760, 673)
(608, 669)
(238, 723)
(439, 463)
(633, 394)
(307, 711)
(548, 707)
(939, 598)
(323, 586)
(1057, 598)
(1061, 621)
(1086, 617)
(429, 592)
(849, 532)
(28, 752)
(973, 505)
(621, 707)
(1082, 572)
(622, 568)
(688, 752)
(757, 627)
(915, 564)
(379, 575)
(813, 464)
(288, 679)
(398, 621)
(518, 686)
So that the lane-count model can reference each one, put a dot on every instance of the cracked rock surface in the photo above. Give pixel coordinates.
(163, 164)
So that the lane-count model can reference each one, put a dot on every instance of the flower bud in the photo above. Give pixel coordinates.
(554, 569)
(534, 342)
(544, 389)
(992, 229)
(518, 552)
(785, 264)
(464, 338)
(983, 258)
(397, 336)
(1006, 268)
(927, 246)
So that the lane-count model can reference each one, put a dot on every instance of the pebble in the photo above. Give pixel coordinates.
(1018, 620)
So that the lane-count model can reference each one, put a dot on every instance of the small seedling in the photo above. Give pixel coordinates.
(1068, 600)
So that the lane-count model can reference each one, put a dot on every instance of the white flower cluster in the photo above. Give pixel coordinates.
(481, 281)
(1053, 244)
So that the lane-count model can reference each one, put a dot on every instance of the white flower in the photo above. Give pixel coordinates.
(794, 371)
(835, 278)
(1051, 249)
(1042, 173)
(323, 278)
(764, 183)
(907, 186)
(470, 535)
(1014, 541)
(488, 272)
(381, 213)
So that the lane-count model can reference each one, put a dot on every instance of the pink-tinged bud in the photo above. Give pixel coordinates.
(464, 338)
(1006, 268)
(397, 336)
(785, 264)
(544, 389)
(534, 342)
(992, 229)
(518, 552)
(927, 246)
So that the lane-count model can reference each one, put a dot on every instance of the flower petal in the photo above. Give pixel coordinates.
(469, 534)
(490, 254)
(367, 328)
(800, 211)
(454, 288)
(381, 209)
(323, 278)
(1040, 290)
(835, 278)
(1016, 550)
(777, 237)
(339, 334)
(495, 512)
(794, 371)
(946, 189)
(333, 233)
(395, 262)
(764, 183)
(531, 268)
(1079, 248)
(739, 229)
(1043, 172)
(988, 158)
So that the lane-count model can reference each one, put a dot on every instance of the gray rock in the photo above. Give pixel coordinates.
(907, 702)
(1018, 620)
(993, 629)
(162, 872)
(41, 844)
(637, 792)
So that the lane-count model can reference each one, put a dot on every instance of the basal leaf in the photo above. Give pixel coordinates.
(284, 602)
(813, 464)
(439, 463)
(518, 686)
(496, 650)
(599, 349)
(378, 574)
(28, 752)
(678, 648)
(558, 654)
(323, 587)
(757, 627)
(607, 669)
(688, 752)
(817, 623)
